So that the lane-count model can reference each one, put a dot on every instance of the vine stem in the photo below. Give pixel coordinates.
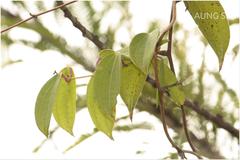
(181, 152)
(32, 16)
(172, 21)
(162, 110)
(169, 47)
(169, 56)
(155, 66)
(186, 129)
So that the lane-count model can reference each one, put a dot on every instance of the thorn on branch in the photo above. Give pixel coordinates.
(33, 15)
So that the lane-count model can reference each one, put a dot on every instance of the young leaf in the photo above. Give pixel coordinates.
(166, 77)
(64, 108)
(132, 82)
(212, 22)
(141, 49)
(103, 91)
(44, 104)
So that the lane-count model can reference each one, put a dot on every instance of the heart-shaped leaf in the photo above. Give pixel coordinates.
(212, 22)
(141, 49)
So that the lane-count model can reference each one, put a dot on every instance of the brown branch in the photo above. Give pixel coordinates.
(205, 113)
(32, 16)
(213, 118)
(85, 32)
(186, 129)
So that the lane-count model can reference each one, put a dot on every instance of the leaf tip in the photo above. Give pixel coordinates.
(131, 115)
(220, 66)
(45, 133)
(70, 132)
(110, 136)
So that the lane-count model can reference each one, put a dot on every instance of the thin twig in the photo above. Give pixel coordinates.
(186, 130)
(85, 32)
(81, 77)
(81, 85)
(32, 16)
(169, 48)
(193, 153)
(168, 27)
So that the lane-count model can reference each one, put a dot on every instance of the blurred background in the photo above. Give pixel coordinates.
(31, 52)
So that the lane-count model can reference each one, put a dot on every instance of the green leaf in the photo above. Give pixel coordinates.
(44, 104)
(102, 121)
(103, 90)
(212, 22)
(149, 91)
(64, 108)
(167, 77)
(141, 49)
(132, 83)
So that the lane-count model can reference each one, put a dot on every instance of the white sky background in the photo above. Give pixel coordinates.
(21, 82)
